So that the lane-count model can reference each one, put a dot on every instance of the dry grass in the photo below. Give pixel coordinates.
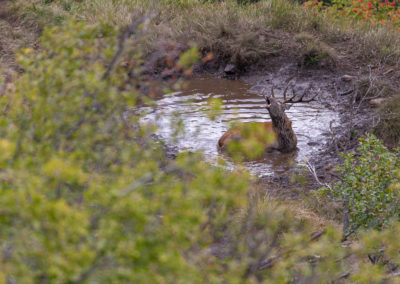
(14, 34)
(380, 43)
(312, 208)
(314, 52)
(228, 35)
(317, 219)
(242, 35)
(388, 128)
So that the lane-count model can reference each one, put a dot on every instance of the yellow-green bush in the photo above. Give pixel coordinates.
(84, 196)
(87, 198)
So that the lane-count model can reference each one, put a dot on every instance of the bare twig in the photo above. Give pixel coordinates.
(334, 142)
(87, 272)
(312, 170)
(346, 92)
(392, 275)
(344, 275)
(301, 98)
(125, 34)
(317, 235)
(145, 180)
(349, 233)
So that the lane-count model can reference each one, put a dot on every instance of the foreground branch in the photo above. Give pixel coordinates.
(125, 34)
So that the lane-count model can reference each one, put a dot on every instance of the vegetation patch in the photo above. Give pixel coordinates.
(388, 127)
(376, 12)
(368, 188)
(240, 34)
(313, 52)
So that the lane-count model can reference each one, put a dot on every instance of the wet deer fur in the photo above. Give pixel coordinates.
(280, 126)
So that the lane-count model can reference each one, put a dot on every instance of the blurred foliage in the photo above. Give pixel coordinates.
(214, 107)
(87, 194)
(369, 188)
(249, 140)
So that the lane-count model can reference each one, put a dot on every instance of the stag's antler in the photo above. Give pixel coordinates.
(288, 84)
(285, 91)
(264, 93)
(301, 98)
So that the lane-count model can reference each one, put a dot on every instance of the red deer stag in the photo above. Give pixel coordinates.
(280, 128)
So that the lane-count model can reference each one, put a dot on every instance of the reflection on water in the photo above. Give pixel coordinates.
(201, 133)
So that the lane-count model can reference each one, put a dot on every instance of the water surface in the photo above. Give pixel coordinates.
(240, 103)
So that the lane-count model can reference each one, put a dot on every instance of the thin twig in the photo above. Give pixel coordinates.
(344, 275)
(346, 92)
(145, 180)
(312, 170)
(317, 235)
(125, 34)
(349, 233)
(392, 275)
(95, 264)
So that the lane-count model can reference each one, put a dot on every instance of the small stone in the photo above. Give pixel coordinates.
(347, 78)
(377, 102)
(230, 69)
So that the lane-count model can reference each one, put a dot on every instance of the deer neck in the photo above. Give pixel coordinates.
(286, 139)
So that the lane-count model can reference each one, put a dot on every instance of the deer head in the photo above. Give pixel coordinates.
(286, 138)
(276, 107)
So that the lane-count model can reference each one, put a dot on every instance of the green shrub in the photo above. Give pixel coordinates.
(367, 188)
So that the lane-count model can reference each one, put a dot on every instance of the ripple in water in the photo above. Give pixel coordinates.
(309, 121)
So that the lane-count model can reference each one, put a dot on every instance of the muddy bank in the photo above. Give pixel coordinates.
(354, 116)
(324, 128)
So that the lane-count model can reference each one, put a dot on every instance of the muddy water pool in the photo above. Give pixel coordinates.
(241, 102)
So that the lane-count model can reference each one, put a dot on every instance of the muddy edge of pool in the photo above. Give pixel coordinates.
(342, 137)
(294, 181)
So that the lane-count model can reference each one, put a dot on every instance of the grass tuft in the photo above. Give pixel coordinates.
(388, 128)
(240, 34)
(313, 52)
